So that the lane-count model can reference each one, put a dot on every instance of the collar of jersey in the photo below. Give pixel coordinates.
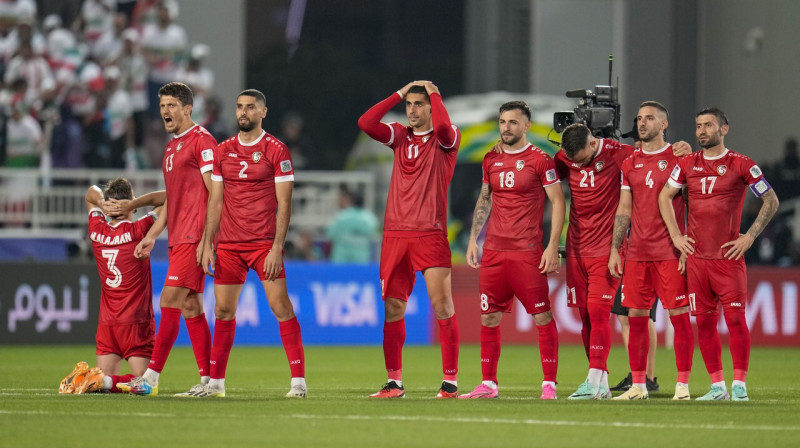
(717, 157)
(423, 133)
(517, 151)
(658, 151)
(185, 132)
(238, 139)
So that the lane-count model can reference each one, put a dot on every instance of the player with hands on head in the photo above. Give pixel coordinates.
(717, 179)
(415, 224)
(515, 263)
(248, 216)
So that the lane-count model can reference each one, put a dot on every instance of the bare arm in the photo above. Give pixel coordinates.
(681, 242)
(144, 247)
(94, 198)
(213, 213)
(483, 208)
(740, 245)
(115, 207)
(274, 260)
(550, 261)
(622, 221)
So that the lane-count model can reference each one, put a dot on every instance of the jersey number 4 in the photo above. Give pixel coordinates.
(111, 256)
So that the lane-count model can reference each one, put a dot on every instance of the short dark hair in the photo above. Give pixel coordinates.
(715, 111)
(255, 94)
(118, 188)
(574, 139)
(417, 88)
(522, 106)
(178, 90)
(655, 104)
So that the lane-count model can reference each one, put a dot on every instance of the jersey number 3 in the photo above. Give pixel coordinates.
(111, 256)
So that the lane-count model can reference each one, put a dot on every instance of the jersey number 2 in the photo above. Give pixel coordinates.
(242, 174)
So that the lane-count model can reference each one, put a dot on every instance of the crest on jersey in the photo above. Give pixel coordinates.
(256, 156)
(662, 165)
(722, 169)
(180, 145)
(599, 165)
(520, 164)
(426, 138)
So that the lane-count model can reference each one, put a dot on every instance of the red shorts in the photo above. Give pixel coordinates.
(711, 282)
(643, 281)
(126, 340)
(234, 261)
(505, 274)
(401, 257)
(588, 281)
(183, 271)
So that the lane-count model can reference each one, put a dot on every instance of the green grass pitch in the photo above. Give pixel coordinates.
(337, 412)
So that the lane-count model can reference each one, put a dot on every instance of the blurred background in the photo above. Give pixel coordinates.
(78, 104)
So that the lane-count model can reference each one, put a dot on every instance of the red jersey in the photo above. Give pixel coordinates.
(644, 174)
(126, 295)
(186, 158)
(517, 179)
(716, 196)
(249, 172)
(594, 198)
(423, 167)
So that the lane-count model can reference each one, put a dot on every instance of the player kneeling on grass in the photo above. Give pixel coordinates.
(126, 327)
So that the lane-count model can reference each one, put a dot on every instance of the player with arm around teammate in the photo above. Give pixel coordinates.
(415, 224)
(514, 261)
(248, 216)
(717, 179)
(126, 326)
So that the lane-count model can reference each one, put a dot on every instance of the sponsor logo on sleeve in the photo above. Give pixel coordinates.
(208, 155)
(286, 166)
(550, 175)
(755, 171)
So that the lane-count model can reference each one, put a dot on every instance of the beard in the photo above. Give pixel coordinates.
(511, 141)
(712, 140)
(649, 136)
(247, 126)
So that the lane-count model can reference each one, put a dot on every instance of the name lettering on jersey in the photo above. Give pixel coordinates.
(520, 164)
(599, 165)
(638, 165)
(662, 165)
(208, 155)
(286, 166)
(498, 163)
(550, 175)
(230, 154)
(256, 156)
(722, 169)
(180, 145)
(755, 171)
(108, 240)
(697, 168)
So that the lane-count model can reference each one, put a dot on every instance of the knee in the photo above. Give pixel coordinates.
(192, 306)
(491, 319)
(443, 307)
(543, 318)
(394, 309)
(224, 312)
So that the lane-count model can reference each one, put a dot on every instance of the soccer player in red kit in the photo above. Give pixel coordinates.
(514, 261)
(415, 224)
(187, 164)
(248, 214)
(716, 179)
(592, 168)
(653, 268)
(125, 327)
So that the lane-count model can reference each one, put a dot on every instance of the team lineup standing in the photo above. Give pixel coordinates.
(605, 178)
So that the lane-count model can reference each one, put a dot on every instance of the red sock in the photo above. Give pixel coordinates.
(200, 337)
(448, 337)
(710, 345)
(739, 341)
(600, 337)
(224, 332)
(586, 328)
(165, 338)
(490, 352)
(119, 379)
(684, 345)
(638, 346)
(293, 345)
(548, 350)
(394, 336)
